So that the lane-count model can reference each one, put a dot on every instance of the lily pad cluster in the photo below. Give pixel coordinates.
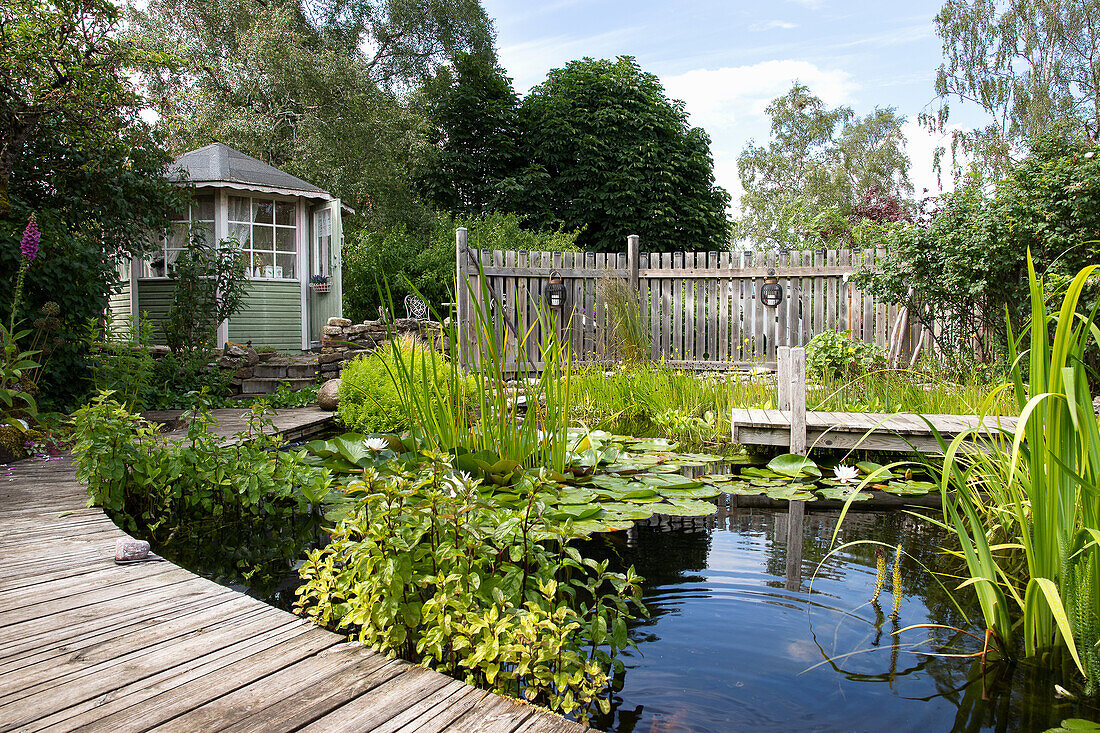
(612, 481)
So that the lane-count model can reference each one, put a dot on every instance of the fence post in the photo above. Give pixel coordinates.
(633, 244)
(797, 396)
(783, 377)
(462, 297)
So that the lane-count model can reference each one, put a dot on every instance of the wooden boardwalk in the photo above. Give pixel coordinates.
(92, 646)
(863, 430)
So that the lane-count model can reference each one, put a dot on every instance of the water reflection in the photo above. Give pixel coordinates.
(750, 631)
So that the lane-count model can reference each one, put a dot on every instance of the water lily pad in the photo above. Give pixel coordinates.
(611, 483)
(574, 511)
(790, 493)
(668, 481)
(689, 508)
(756, 472)
(794, 465)
(652, 444)
(573, 495)
(839, 493)
(701, 492)
(909, 488)
(881, 473)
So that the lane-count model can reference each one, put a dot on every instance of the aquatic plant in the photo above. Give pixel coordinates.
(425, 567)
(1036, 487)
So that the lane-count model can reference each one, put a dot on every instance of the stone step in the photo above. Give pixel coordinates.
(271, 385)
(284, 371)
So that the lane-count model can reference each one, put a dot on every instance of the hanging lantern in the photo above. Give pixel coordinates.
(555, 291)
(771, 293)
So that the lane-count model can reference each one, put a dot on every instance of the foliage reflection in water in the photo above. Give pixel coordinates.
(736, 640)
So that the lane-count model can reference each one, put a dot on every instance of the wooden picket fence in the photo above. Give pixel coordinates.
(702, 308)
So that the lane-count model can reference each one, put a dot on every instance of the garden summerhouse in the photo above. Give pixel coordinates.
(289, 231)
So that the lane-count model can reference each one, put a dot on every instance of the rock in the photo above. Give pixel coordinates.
(330, 358)
(332, 331)
(1096, 405)
(247, 354)
(243, 373)
(328, 397)
(128, 550)
(341, 322)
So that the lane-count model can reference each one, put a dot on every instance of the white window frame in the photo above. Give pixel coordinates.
(296, 228)
(144, 264)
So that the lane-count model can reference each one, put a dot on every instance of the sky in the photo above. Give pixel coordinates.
(728, 59)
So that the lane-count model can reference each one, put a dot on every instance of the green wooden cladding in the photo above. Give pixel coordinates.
(271, 316)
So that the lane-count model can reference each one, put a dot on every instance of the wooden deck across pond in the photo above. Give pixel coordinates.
(863, 430)
(89, 645)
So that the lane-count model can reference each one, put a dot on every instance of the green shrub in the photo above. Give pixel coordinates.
(370, 400)
(120, 360)
(427, 568)
(236, 499)
(836, 355)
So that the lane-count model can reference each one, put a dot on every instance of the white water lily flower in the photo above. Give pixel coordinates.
(846, 474)
(376, 444)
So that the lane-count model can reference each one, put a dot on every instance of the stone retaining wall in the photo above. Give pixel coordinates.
(342, 340)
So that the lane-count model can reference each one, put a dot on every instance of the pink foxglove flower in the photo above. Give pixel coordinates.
(31, 238)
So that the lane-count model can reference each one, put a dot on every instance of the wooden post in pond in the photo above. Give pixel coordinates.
(796, 402)
(783, 377)
(797, 396)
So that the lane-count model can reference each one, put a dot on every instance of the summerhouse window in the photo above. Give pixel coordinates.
(266, 229)
(198, 216)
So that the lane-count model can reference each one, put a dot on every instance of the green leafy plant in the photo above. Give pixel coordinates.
(208, 286)
(200, 487)
(370, 398)
(836, 355)
(1035, 488)
(426, 567)
(120, 359)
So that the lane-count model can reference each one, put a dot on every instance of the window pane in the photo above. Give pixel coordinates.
(284, 265)
(203, 208)
(263, 238)
(240, 232)
(173, 255)
(263, 212)
(207, 231)
(177, 235)
(284, 213)
(263, 264)
(284, 240)
(238, 209)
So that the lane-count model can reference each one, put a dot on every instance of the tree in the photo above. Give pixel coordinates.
(290, 83)
(476, 156)
(609, 152)
(967, 268)
(80, 159)
(1026, 64)
(818, 166)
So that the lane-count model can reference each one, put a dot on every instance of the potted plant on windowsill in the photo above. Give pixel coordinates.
(318, 283)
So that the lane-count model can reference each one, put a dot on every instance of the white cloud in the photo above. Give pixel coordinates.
(732, 96)
(772, 25)
(729, 103)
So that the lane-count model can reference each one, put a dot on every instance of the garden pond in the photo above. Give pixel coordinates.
(754, 624)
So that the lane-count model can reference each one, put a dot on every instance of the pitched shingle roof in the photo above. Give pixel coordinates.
(219, 163)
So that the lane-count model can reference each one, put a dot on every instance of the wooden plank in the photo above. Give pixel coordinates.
(868, 304)
(831, 309)
(751, 270)
(807, 301)
(677, 346)
(819, 325)
(700, 321)
(190, 676)
(381, 704)
(724, 318)
(799, 436)
(511, 311)
(844, 317)
(769, 314)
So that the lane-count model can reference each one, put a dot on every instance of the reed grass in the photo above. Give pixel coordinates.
(1035, 492)
(484, 409)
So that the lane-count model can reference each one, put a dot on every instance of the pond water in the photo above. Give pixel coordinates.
(748, 632)
(737, 640)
